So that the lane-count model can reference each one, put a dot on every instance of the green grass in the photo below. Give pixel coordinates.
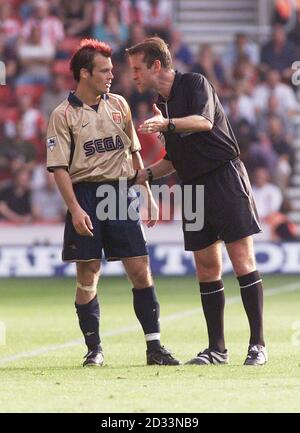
(39, 313)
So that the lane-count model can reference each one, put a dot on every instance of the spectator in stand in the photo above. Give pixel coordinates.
(242, 128)
(282, 149)
(245, 100)
(209, 65)
(47, 204)
(284, 94)
(20, 148)
(35, 57)
(275, 152)
(15, 199)
(137, 34)
(182, 55)
(243, 69)
(10, 23)
(54, 95)
(273, 110)
(77, 16)
(279, 53)
(272, 206)
(33, 125)
(111, 30)
(156, 17)
(9, 58)
(268, 198)
(52, 29)
(294, 34)
(240, 47)
(127, 9)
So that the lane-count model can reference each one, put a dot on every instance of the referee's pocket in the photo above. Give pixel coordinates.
(240, 185)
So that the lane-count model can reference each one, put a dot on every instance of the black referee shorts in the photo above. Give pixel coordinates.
(229, 210)
(118, 238)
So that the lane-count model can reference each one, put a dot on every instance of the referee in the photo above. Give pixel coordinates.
(91, 143)
(201, 147)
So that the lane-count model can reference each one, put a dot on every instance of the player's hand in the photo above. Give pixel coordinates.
(82, 223)
(153, 213)
(157, 123)
(141, 177)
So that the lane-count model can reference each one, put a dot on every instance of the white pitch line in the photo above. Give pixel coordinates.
(52, 347)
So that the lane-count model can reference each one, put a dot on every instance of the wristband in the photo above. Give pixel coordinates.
(150, 174)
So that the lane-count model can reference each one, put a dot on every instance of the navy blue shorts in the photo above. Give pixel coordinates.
(117, 235)
(229, 210)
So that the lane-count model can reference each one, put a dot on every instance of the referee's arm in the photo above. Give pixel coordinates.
(158, 123)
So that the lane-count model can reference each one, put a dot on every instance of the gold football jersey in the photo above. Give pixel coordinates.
(94, 146)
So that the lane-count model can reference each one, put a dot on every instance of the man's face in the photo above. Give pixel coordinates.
(101, 78)
(142, 76)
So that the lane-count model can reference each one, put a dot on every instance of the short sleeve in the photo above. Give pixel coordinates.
(202, 97)
(58, 141)
(131, 132)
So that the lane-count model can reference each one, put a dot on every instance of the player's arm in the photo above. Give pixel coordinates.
(158, 123)
(58, 161)
(153, 210)
(81, 220)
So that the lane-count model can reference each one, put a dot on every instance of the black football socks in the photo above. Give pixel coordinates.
(252, 296)
(213, 303)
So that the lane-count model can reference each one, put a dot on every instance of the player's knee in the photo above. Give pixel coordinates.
(141, 277)
(88, 274)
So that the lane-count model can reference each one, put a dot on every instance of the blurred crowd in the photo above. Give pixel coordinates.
(253, 81)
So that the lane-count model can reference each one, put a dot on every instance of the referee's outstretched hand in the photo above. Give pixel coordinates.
(157, 123)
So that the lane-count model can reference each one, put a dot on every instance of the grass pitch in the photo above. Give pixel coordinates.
(40, 365)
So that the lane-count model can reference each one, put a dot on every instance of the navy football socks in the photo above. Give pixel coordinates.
(147, 311)
(89, 315)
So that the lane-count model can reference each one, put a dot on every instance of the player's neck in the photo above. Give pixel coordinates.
(86, 96)
(165, 83)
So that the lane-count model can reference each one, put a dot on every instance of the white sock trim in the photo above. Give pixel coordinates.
(211, 293)
(251, 284)
(152, 337)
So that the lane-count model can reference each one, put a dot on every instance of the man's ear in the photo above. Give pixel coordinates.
(84, 73)
(157, 65)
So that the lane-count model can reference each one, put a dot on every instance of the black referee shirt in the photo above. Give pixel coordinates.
(195, 154)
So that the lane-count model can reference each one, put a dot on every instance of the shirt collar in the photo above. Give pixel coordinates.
(177, 79)
(76, 102)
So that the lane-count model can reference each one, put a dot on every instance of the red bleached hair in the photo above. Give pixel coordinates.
(96, 45)
(84, 56)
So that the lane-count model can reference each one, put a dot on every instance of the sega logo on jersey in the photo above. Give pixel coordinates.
(100, 145)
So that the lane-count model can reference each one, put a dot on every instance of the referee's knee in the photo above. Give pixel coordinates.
(210, 273)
